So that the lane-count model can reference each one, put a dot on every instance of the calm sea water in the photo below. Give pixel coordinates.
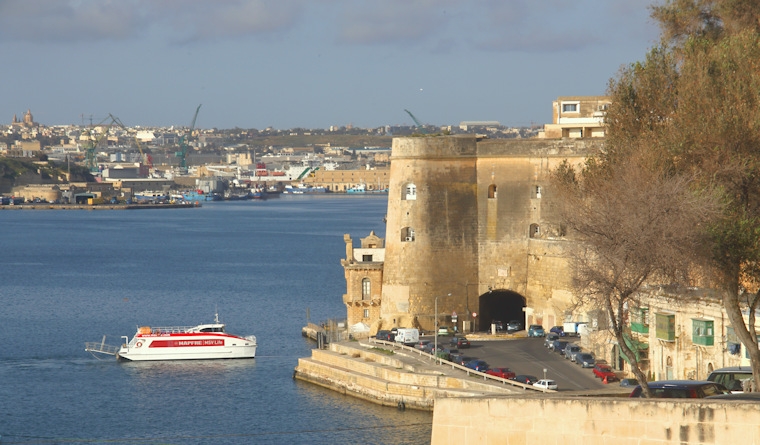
(67, 277)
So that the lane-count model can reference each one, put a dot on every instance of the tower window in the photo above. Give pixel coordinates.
(410, 192)
(492, 191)
(366, 289)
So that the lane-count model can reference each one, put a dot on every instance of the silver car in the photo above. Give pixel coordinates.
(571, 351)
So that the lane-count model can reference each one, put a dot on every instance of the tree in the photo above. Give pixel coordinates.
(635, 224)
(692, 106)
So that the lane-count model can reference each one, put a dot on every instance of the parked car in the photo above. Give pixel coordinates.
(525, 378)
(681, 389)
(504, 373)
(732, 377)
(585, 359)
(629, 382)
(546, 384)
(444, 330)
(571, 351)
(477, 365)
(559, 330)
(536, 330)
(460, 359)
(443, 354)
(549, 340)
(460, 342)
(604, 372)
(385, 335)
(559, 346)
(498, 324)
(421, 344)
(514, 326)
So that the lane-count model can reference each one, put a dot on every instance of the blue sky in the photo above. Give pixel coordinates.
(311, 63)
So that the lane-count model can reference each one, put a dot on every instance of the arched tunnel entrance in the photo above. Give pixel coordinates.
(500, 305)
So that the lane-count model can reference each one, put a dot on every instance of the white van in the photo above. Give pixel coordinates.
(408, 336)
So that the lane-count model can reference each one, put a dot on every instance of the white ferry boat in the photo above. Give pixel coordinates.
(202, 342)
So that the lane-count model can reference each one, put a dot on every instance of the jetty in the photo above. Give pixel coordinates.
(391, 374)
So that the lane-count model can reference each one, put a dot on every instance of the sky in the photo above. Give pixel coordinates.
(311, 63)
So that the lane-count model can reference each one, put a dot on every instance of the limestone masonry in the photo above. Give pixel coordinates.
(471, 223)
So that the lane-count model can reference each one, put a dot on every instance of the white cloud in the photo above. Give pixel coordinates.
(61, 21)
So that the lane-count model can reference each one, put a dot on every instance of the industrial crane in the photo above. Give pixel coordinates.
(419, 125)
(182, 153)
(145, 158)
(93, 141)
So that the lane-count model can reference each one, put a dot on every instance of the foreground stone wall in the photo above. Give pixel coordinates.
(566, 420)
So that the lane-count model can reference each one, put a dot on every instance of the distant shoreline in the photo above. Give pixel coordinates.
(37, 206)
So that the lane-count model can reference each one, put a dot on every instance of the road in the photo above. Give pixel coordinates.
(529, 356)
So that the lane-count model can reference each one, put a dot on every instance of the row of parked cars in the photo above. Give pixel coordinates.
(719, 384)
(723, 383)
(454, 354)
(575, 354)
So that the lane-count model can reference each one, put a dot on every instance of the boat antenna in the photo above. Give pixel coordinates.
(216, 314)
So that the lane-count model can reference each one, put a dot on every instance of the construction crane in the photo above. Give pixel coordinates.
(93, 141)
(182, 153)
(145, 158)
(419, 125)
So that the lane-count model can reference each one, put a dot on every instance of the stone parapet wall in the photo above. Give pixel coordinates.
(389, 379)
(594, 421)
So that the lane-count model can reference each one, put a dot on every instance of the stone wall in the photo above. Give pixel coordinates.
(482, 218)
(603, 421)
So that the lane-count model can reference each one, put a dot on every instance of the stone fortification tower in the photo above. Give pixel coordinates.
(431, 231)
(471, 224)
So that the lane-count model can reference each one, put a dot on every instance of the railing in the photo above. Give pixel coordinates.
(101, 348)
(170, 329)
(453, 365)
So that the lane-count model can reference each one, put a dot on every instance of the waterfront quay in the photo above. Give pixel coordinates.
(469, 407)
(45, 206)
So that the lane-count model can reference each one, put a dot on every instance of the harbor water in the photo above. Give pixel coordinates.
(74, 276)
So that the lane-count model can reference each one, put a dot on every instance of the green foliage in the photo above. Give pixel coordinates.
(382, 351)
(12, 168)
(691, 109)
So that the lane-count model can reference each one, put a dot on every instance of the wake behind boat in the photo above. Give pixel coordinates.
(202, 342)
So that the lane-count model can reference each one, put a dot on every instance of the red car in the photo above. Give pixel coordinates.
(601, 370)
(504, 373)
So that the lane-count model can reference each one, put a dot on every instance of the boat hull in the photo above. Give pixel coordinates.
(188, 347)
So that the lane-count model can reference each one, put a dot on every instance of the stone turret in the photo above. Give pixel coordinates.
(431, 232)
(471, 224)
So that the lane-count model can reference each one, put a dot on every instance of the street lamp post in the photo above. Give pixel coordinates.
(545, 387)
(435, 327)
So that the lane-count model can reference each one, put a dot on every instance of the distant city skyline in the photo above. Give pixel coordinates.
(311, 64)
